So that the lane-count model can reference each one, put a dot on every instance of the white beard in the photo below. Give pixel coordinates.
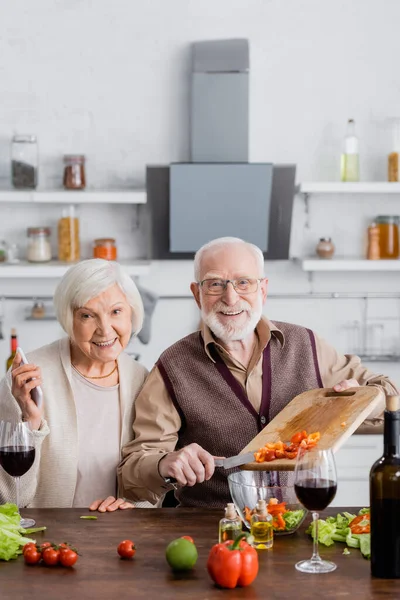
(233, 332)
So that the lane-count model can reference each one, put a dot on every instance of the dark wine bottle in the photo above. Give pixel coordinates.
(385, 498)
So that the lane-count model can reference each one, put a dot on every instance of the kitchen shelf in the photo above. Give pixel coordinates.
(74, 196)
(55, 269)
(347, 264)
(338, 187)
(379, 357)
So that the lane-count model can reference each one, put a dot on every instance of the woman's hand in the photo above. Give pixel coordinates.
(110, 504)
(24, 379)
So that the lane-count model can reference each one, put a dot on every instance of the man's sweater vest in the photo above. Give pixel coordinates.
(214, 408)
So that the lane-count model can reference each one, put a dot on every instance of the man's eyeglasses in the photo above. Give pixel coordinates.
(216, 287)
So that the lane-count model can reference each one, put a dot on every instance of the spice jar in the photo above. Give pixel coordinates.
(105, 248)
(388, 226)
(38, 249)
(74, 172)
(24, 161)
(394, 156)
(68, 236)
(373, 249)
(325, 248)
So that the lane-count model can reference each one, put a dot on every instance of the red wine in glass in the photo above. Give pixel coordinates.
(315, 494)
(315, 485)
(17, 460)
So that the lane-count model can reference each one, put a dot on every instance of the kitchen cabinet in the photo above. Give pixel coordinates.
(353, 462)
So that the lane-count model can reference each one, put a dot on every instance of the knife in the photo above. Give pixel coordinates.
(234, 461)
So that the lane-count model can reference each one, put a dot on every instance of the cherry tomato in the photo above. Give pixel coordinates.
(187, 537)
(32, 556)
(45, 545)
(51, 556)
(126, 549)
(28, 546)
(68, 557)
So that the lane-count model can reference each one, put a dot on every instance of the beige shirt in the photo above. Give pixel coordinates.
(157, 422)
(99, 429)
(51, 481)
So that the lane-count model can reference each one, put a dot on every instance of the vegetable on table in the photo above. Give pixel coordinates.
(126, 549)
(339, 529)
(233, 563)
(181, 554)
(12, 535)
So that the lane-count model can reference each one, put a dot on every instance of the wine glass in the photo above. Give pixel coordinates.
(17, 454)
(315, 484)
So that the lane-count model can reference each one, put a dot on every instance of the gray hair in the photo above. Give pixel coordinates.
(226, 241)
(88, 279)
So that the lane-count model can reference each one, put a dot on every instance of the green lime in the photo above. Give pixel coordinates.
(181, 554)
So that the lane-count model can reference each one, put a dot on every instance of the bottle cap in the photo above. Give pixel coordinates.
(13, 331)
(230, 511)
(392, 403)
(261, 506)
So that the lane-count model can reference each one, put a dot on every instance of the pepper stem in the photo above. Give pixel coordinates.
(236, 543)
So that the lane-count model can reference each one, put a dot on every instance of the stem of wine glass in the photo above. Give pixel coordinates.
(17, 490)
(315, 555)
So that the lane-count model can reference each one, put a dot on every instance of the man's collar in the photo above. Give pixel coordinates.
(265, 328)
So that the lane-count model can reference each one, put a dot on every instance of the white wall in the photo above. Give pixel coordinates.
(111, 80)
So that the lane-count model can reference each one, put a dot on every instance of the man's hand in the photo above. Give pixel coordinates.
(345, 385)
(188, 466)
(110, 504)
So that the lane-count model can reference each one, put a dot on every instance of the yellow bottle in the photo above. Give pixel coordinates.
(14, 344)
(261, 527)
(231, 525)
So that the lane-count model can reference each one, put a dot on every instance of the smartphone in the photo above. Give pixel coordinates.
(36, 393)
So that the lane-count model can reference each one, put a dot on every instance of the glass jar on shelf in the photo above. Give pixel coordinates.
(24, 162)
(68, 235)
(388, 226)
(394, 156)
(38, 248)
(74, 172)
(105, 248)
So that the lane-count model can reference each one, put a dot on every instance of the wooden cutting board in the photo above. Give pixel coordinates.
(336, 415)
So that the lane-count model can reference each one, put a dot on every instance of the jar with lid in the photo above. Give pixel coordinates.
(68, 235)
(24, 162)
(388, 226)
(74, 172)
(325, 248)
(105, 248)
(38, 249)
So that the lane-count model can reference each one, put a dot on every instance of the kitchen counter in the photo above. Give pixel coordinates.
(101, 574)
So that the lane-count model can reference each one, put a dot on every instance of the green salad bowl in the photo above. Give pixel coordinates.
(247, 487)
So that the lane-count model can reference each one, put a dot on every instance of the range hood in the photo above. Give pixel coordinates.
(220, 193)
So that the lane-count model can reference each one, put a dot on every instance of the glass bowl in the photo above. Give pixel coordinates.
(246, 487)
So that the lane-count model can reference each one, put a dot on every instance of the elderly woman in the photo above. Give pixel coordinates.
(89, 388)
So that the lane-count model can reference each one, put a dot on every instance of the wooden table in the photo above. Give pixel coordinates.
(101, 574)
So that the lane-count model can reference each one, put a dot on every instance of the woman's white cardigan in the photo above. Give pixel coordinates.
(51, 481)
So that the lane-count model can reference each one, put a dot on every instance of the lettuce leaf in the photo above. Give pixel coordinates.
(11, 533)
(293, 517)
(336, 529)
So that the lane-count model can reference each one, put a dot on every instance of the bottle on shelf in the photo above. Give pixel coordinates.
(373, 249)
(261, 527)
(350, 163)
(385, 498)
(230, 526)
(14, 344)
(68, 235)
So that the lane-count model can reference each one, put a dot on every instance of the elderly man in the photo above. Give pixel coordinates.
(211, 392)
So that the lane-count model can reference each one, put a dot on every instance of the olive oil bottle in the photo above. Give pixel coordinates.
(261, 527)
(14, 344)
(231, 525)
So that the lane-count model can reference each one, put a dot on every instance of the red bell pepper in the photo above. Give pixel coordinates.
(233, 564)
